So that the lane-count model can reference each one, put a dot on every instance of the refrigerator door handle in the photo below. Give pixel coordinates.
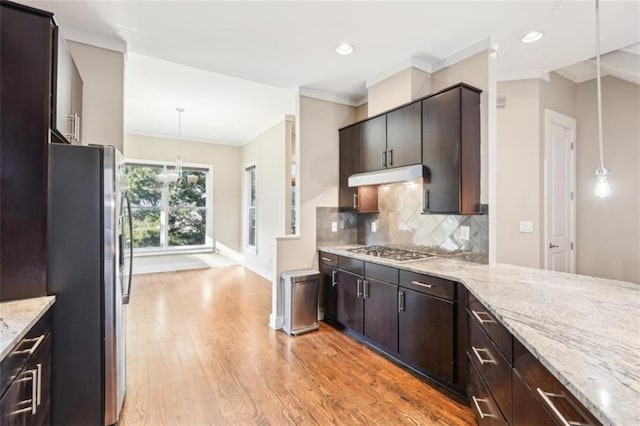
(127, 295)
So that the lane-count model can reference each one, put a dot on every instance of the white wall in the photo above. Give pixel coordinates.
(519, 173)
(398, 89)
(225, 160)
(608, 230)
(268, 152)
(102, 73)
(318, 153)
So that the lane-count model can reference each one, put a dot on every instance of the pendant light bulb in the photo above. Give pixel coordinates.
(602, 189)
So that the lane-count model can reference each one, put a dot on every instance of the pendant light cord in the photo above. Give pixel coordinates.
(598, 84)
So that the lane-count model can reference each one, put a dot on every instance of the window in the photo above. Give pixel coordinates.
(251, 191)
(169, 217)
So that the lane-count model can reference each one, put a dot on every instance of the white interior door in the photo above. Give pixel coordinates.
(560, 178)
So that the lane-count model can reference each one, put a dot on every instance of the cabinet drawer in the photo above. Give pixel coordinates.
(482, 402)
(18, 357)
(427, 284)
(527, 410)
(498, 333)
(491, 365)
(381, 273)
(328, 259)
(351, 265)
(563, 406)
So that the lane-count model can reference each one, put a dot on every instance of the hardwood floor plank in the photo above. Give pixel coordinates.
(200, 352)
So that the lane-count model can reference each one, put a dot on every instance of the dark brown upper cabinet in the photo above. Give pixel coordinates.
(26, 46)
(451, 151)
(372, 144)
(363, 198)
(404, 136)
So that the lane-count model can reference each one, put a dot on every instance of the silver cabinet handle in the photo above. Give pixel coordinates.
(33, 348)
(334, 281)
(483, 361)
(358, 291)
(546, 397)
(422, 284)
(425, 206)
(383, 158)
(476, 403)
(483, 321)
(390, 157)
(32, 408)
(326, 259)
(355, 201)
(401, 306)
(39, 393)
(365, 284)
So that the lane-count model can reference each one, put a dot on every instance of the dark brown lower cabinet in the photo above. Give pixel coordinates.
(329, 291)
(350, 303)
(381, 313)
(26, 401)
(527, 410)
(482, 402)
(425, 333)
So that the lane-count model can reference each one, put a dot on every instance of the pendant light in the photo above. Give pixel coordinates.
(167, 178)
(602, 188)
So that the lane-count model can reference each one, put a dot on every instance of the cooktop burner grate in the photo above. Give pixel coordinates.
(390, 253)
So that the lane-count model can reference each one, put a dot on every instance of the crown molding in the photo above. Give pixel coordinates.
(488, 44)
(92, 39)
(331, 97)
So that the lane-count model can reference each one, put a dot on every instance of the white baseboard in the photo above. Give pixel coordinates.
(230, 253)
(275, 322)
(268, 275)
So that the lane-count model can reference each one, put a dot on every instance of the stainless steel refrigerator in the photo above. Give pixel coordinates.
(90, 260)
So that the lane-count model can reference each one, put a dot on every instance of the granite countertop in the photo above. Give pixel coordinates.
(17, 317)
(584, 330)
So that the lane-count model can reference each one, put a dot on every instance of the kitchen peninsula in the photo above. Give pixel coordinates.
(583, 330)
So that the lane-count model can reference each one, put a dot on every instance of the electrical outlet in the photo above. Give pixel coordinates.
(334, 226)
(464, 233)
(374, 226)
(526, 226)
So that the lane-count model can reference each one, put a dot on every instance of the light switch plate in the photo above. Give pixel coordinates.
(464, 233)
(526, 226)
(374, 226)
(334, 226)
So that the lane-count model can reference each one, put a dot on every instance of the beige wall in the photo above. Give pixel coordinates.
(400, 88)
(268, 152)
(318, 124)
(102, 73)
(225, 160)
(473, 71)
(362, 112)
(608, 240)
(519, 173)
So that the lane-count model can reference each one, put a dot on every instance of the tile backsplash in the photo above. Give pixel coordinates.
(400, 222)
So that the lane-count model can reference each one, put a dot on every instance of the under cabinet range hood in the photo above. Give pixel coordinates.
(381, 177)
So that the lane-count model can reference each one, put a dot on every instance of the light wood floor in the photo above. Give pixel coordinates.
(200, 351)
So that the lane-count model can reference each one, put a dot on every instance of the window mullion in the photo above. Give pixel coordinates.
(164, 216)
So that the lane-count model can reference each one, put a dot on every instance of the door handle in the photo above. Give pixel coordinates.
(358, 291)
(355, 201)
(334, 281)
(390, 157)
(476, 402)
(126, 296)
(383, 158)
(401, 306)
(426, 200)
(552, 246)
(365, 285)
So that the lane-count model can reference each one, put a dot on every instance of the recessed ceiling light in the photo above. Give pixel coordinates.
(531, 37)
(344, 49)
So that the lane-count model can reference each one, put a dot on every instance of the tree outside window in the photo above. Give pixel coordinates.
(167, 216)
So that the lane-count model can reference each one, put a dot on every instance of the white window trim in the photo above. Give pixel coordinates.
(209, 244)
(247, 191)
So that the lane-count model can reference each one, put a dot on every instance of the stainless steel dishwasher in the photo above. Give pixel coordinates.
(300, 300)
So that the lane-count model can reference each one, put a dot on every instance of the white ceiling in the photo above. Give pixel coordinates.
(291, 44)
(623, 64)
(217, 108)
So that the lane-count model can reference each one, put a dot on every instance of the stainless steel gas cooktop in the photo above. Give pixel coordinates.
(390, 253)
